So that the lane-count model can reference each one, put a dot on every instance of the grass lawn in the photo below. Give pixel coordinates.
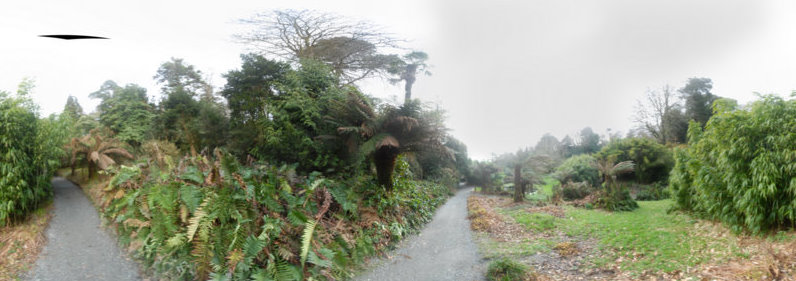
(644, 241)
(544, 191)
(649, 238)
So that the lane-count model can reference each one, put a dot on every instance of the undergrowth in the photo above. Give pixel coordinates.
(508, 270)
(218, 220)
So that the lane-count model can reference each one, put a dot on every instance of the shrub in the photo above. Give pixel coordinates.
(742, 168)
(30, 151)
(575, 190)
(508, 270)
(653, 161)
(655, 191)
(578, 168)
(617, 199)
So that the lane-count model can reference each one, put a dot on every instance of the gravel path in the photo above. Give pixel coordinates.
(78, 248)
(444, 250)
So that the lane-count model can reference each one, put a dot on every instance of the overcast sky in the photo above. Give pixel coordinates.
(507, 72)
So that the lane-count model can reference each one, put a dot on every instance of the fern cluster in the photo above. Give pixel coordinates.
(218, 220)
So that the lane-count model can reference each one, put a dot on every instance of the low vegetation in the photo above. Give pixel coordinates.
(21, 242)
(211, 219)
(508, 270)
(647, 242)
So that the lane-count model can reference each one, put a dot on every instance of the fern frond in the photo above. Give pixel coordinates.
(314, 259)
(306, 239)
(193, 223)
(285, 271)
(176, 241)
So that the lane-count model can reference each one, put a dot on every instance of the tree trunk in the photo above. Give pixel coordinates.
(408, 90)
(409, 77)
(91, 170)
(384, 158)
(518, 186)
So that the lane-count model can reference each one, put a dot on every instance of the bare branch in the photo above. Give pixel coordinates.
(350, 47)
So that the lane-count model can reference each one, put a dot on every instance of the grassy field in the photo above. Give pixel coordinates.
(642, 243)
(649, 238)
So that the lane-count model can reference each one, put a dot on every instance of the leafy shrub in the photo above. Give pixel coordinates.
(578, 168)
(30, 151)
(508, 270)
(653, 161)
(575, 190)
(656, 191)
(618, 199)
(742, 168)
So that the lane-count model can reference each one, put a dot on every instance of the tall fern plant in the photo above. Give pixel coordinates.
(616, 197)
(97, 149)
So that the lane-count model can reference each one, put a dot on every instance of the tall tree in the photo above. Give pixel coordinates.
(698, 99)
(125, 111)
(567, 146)
(657, 114)
(588, 141)
(181, 85)
(72, 109)
(548, 145)
(349, 47)
(406, 69)
(249, 93)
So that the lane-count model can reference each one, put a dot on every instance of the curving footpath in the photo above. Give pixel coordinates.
(444, 249)
(78, 248)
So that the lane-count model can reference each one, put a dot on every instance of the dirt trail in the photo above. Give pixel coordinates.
(78, 248)
(444, 249)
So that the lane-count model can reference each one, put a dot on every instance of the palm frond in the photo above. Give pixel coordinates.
(118, 151)
(623, 167)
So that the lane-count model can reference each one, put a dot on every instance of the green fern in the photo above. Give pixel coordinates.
(306, 239)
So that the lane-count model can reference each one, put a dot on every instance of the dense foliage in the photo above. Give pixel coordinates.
(221, 220)
(124, 110)
(318, 176)
(652, 160)
(30, 152)
(742, 168)
(578, 168)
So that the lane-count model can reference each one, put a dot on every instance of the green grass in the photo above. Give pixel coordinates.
(538, 222)
(491, 249)
(507, 270)
(647, 238)
(544, 191)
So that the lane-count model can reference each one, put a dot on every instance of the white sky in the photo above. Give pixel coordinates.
(507, 72)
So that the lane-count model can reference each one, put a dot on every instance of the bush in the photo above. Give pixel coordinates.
(742, 168)
(578, 168)
(30, 152)
(656, 191)
(653, 160)
(508, 270)
(575, 190)
(617, 199)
